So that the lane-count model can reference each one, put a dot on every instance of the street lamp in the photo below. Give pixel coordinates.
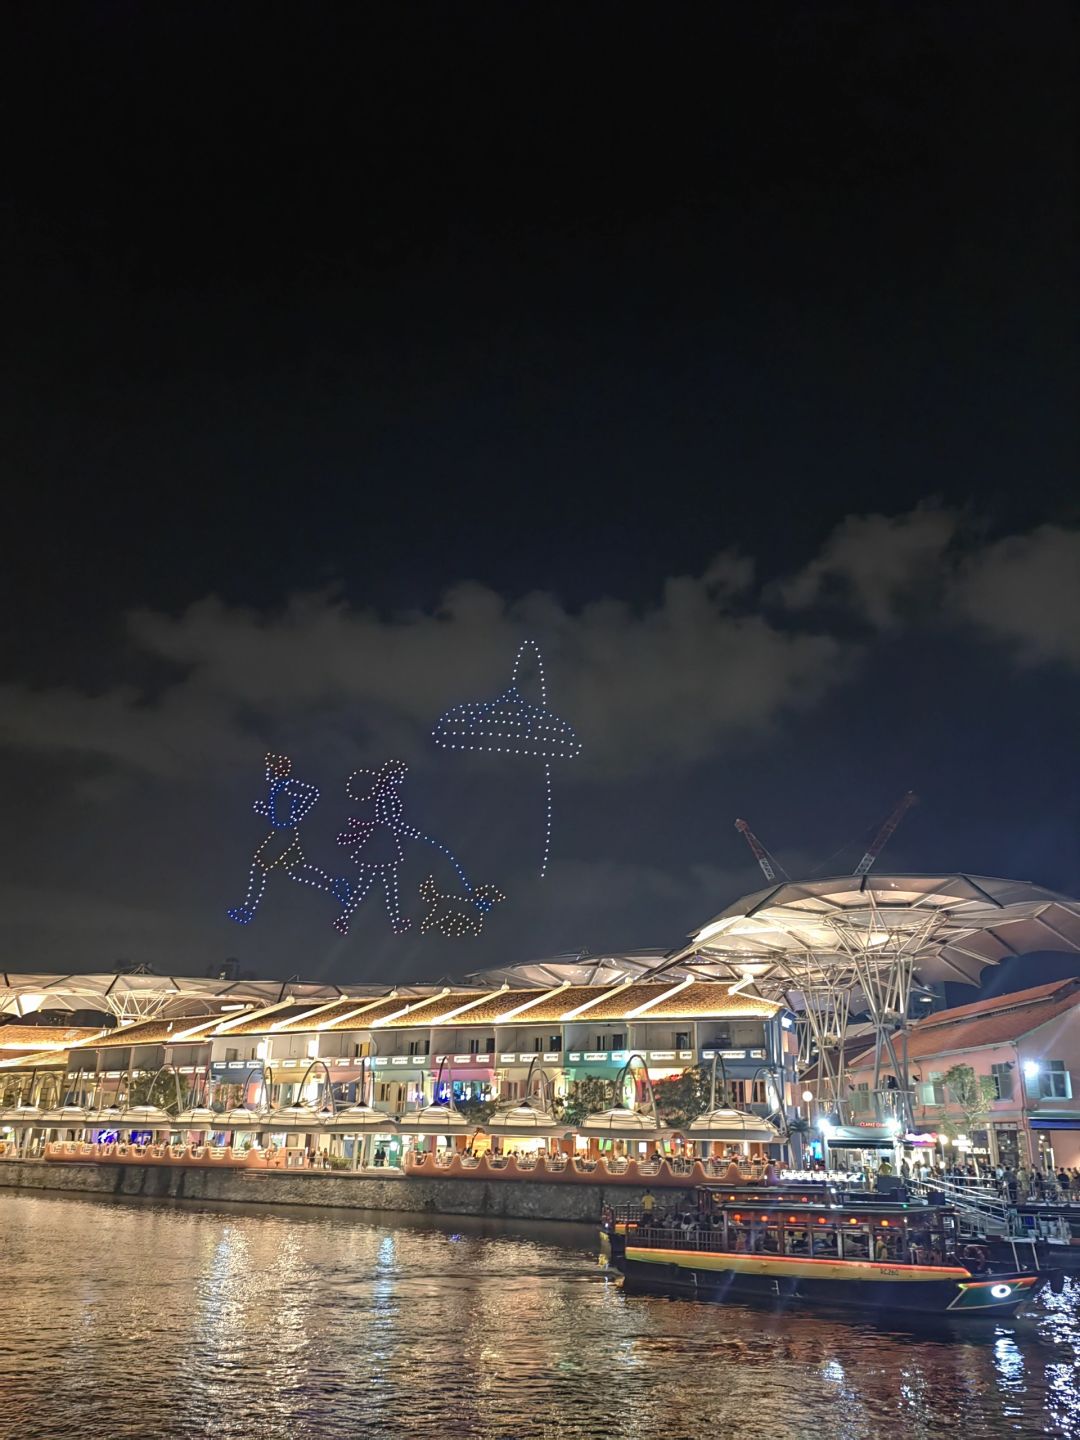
(807, 1097)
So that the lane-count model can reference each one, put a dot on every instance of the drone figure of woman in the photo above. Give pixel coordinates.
(377, 844)
(287, 803)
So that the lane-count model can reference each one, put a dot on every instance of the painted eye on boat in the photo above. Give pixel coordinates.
(1000, 1292)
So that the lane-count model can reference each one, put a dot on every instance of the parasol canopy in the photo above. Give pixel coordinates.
(363, 1118)
(723, 1124)
(199, 1117)
(298, 1117)
(620, 1123)
(526, 1117)
(144, 1117)
(438, 1118)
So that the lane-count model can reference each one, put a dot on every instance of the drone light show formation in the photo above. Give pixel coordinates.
(377, 839)
(511, 725)
(287, 802)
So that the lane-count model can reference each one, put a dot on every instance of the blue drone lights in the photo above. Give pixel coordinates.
(287, 803)
(510, 725)
(377, 843)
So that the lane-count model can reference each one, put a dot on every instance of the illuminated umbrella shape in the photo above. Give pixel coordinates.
(724, 1124)
(362, 1117)
(511, 725)
(438, 1118)
(199, 1117)
(526, 1117)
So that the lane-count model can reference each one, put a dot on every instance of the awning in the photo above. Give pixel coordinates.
(1054, 1124)
(851, 1137)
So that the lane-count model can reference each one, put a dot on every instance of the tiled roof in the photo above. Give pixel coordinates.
(997, 1003)
(437, 1007)
(620, 1001)
(988, 1029)
(261, 1022)
(706, 998)
(559, 1002)
(490, 1010)
(151, 1032)
(303, 1019)
(43, 1060)
(33, 1037)
(378, 1011)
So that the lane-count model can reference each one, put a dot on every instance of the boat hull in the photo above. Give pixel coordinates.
(872, 1287)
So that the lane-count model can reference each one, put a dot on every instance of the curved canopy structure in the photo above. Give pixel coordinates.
(723, 1124)
(954, 924)
(859, 942)
(141, 995)
(438, 1118)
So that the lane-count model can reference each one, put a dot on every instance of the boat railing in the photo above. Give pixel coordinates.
(979, 1211)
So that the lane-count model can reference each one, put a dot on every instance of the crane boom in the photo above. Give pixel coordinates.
(881, 839)
(761, 855)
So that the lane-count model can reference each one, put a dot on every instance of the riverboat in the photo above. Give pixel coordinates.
(813, 1246)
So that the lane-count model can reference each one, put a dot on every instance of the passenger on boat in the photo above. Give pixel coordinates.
(975, 1259)
(771, 1174)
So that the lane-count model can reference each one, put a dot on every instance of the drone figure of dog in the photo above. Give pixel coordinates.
(454, 915)
(377, 843)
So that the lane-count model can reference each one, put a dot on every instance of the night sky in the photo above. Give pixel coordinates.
(725, 351)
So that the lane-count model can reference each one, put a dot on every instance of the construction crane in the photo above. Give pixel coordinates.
(881, 839)
(769, 866)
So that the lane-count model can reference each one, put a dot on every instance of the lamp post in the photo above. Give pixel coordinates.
(807, 1096)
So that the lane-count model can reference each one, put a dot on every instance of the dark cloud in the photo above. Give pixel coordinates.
(718, 696)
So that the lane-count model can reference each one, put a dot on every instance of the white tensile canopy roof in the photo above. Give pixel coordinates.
(950, 926)
(140, 996)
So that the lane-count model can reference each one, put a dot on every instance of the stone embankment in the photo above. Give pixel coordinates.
(523, 1200)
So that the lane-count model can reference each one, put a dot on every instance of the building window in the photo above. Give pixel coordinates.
(1002, 1076)
(489, 1045)
(682, 1039)
(555, 1042)
(1054, 1081)
(618, 1041)
(231, 1054)
(538, 1043)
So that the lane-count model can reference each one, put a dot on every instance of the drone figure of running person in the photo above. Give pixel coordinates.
(287, 803)
(377, 845)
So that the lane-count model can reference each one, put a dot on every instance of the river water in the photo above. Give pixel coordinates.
(158, 1319)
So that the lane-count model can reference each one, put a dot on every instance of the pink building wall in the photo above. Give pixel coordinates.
(1058, 1039)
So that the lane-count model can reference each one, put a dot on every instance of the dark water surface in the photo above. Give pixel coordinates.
(129, 1318)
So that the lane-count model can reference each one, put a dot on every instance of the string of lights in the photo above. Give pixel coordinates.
(511, 725)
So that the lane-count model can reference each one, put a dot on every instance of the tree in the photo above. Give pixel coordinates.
(475, 1109)
(584, 1097)
(684, 1097)
(149, 1087)
(972, 1095)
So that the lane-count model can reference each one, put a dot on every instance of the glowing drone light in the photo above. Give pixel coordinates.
(377, 844)
(454, 915)
(511, 725)
(287, 804)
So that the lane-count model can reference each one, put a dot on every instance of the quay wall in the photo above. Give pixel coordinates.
(518, 1200)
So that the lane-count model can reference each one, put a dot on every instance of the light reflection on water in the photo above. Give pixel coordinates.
(127, 1318)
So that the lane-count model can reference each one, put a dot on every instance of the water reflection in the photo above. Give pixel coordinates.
(128, 1318)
